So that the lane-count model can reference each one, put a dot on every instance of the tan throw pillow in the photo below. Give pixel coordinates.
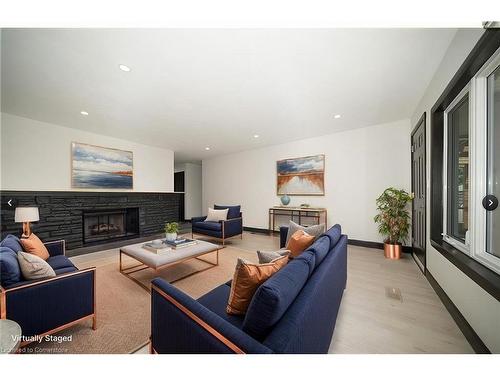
(217, 215)
(247, 278)
(34, 267)
(35, 246)
(299, 241)
(313, 230)
(269, 256)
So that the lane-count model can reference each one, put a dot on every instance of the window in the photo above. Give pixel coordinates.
(456, 184)
(493, 162)
(471, 167)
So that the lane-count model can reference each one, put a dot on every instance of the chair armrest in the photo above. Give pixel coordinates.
(56, 247)
(283, 234)
(180, 324)
(198, 219)
(232, 227)
(45, 305)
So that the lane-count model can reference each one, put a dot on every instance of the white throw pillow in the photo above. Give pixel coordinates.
(217, 215)
(34, 267)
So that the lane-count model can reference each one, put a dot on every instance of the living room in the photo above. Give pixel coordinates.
(250, 190)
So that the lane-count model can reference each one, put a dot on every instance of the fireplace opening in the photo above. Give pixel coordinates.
(109, 225)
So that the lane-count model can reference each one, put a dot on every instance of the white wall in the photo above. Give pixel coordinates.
(37, 156)
(479, 308)
(192, 188)
(359, 164)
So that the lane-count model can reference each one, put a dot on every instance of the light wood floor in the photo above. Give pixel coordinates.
(388, 306)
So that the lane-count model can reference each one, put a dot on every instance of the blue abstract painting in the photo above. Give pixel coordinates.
(301, 176)
(95, 167)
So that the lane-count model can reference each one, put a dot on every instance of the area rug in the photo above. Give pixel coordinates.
(123, 307)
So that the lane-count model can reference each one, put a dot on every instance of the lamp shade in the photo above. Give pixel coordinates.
(26, 214)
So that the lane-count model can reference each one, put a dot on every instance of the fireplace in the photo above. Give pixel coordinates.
(109, 225)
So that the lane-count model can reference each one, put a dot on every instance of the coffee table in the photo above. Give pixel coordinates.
(10, 336)
(167, 258)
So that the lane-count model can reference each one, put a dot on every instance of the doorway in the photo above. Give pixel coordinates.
(179, 186)
(418, 187)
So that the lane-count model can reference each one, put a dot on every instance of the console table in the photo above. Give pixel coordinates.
(296, 214)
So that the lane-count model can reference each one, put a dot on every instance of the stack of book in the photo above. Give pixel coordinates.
(180, 243)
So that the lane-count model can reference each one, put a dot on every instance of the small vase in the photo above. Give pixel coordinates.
(285, 200)
(171, 236)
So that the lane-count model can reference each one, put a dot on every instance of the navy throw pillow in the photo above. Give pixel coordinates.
(12, 242)
(9, 267)
(272, 299)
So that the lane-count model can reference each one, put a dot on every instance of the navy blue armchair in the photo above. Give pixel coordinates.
(45, 306)
(223, 229)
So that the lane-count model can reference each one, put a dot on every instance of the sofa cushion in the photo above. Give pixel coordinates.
(313, 230)
(216, 215)
(299, 241)
(209, 225)
(320, 249)
(272, 298)
(12, 242)
(269, 256)
(35, 246)
(10, 273)
(59, 261)
(247, 278)
(34, 267)
(216, 301)
(60, 271)
(309, 259)
(233, 211)
(334, 234)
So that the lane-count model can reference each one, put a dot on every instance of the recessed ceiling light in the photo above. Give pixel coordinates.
(85, 113)
(337, 116)
(207, 148)
(256, 136)
(125, 68)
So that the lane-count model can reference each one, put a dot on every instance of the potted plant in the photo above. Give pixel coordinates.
(171, 230)
(393, 220)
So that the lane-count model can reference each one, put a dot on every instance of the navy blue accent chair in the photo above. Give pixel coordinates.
(46, 306)
(293, 312)
(223, 229)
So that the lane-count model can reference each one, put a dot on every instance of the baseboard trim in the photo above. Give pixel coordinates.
(374, 245)
(464, 326)
(259, 230)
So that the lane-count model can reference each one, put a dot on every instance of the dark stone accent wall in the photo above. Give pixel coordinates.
(61, 213)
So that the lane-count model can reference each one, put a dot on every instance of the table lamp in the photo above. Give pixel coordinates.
(26, 215)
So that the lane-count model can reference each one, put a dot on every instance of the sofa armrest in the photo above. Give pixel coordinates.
(45, 305)
(283, 234)
(56, 247)
(198, 219)
(232, 227)
(180, 324)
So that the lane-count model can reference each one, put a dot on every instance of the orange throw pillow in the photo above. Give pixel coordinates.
(247, 278)
(299, 241)
(35, 246)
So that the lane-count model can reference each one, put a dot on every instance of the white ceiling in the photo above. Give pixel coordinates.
(192, 88)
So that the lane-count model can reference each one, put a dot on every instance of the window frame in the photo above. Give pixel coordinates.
(479, 85)
(464, 247)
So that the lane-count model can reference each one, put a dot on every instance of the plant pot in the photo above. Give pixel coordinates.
(171, 236)
(393, 251)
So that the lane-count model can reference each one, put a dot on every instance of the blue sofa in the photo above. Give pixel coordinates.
(223, 229)
(46, 306)
(294, 311)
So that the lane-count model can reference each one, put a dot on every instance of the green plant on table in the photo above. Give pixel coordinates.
(172, 227)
